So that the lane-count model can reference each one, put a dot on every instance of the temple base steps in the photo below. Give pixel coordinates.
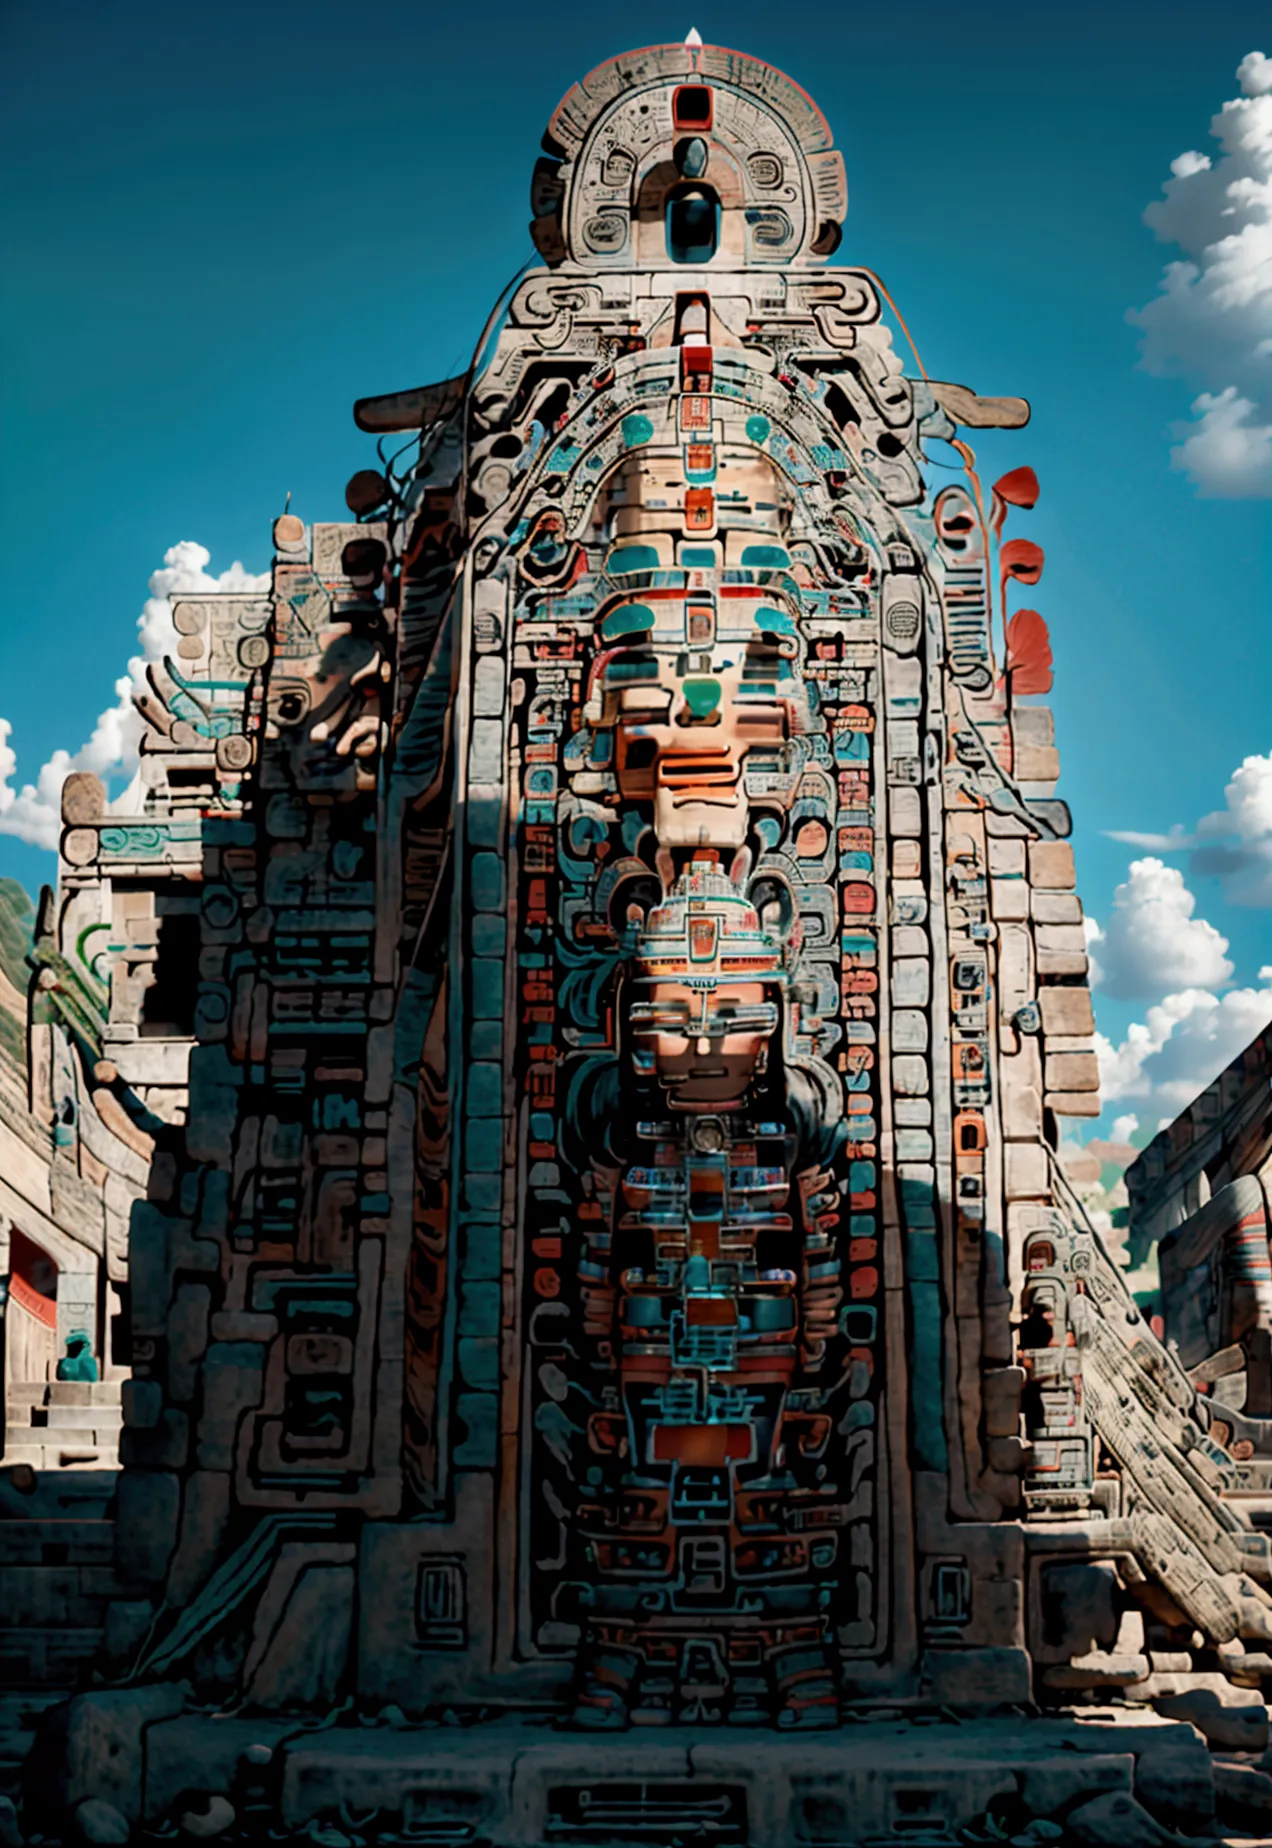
(63, 1424)
(1115, 1776)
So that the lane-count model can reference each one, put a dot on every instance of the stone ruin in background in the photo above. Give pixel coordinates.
(610, 1285)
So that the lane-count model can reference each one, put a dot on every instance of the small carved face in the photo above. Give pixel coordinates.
(705, 1044)
(684, 723)
(328, 707)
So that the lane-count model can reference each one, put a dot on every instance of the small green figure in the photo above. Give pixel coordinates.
(77, 1363)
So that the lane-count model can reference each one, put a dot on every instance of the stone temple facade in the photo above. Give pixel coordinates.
(589, 980)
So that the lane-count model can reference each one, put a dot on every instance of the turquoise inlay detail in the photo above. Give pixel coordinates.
(630, 619)
(852, 748)
(702, 697)
(773, 622)
(698, 557)
(626, 558)
(766, 557)
(637, 429)
(758, 428)
(631, 670)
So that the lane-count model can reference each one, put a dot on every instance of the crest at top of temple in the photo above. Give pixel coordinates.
(687, 155)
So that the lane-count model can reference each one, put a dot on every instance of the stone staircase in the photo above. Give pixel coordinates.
(57, 1547)
(63, 1424)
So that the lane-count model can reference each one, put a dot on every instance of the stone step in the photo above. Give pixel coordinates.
(85, 1392)
(46, 1657)
(67, 1450)
(56, 1543)
(56, 1495)
(100, 1417)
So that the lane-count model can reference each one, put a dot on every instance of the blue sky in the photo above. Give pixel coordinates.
(221, 224)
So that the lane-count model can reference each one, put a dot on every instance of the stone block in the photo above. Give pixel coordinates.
(1244, 1796)
(305, 1661)
(1006, 859)
(910, 1075)
(1074, 1103)
(1000, 1397)
(1060, 940)
(1096, 1760)
(128, 1622)
(166, 1446)
(187, 1338)
(1020, 1101)
(911, 982)
(1072, 1071)
(103, 1751)
(190, 1753)
(464, 1778)
(1116, 1817)
(1037, 763)
(204, 1512)
(407, 1654)
(1225, 1727)
(1079, 1608)
(971, 1678)
(1174, 1777)
(1009, 898)
(147, 1514)
(1098, 1669)
(1066, 1010)
(1051, 865)
(232, 1385)
(100, 1824)
(1056, 907)
(142, 1402)
(1025, 1170)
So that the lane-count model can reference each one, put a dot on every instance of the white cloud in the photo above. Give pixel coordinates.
(1224, 453)
(1255, 73)
(33, 812)
(1152, 943)
(1183, 1044)
(1232, 844)
(1212, 319)
(1124, 1127)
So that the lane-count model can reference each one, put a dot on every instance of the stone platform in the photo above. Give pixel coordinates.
(520, 1783)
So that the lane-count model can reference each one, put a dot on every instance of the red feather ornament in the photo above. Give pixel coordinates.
(1028, 653)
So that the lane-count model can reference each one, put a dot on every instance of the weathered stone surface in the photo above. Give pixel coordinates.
(103, 1752)
(1226, 1727)
(617, 1212)
(149, 1502)
(1098, 1669)
(1117, 1818)
(305, 1659)
(1174, 1777)
(1244, 1796)
(973, 1678)
(100, 1823)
